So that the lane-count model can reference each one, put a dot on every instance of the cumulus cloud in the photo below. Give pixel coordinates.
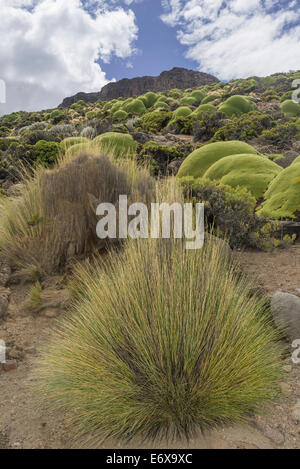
(49, 49)
(237, 38)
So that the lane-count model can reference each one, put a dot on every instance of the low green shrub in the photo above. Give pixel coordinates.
(158, 156)
(155, 121)
(230, 211)
(46, 153)
(282, 134)
(245, 127)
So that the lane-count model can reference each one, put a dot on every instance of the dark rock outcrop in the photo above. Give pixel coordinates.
(176, 78)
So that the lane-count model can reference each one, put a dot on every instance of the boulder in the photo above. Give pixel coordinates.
(285, 309)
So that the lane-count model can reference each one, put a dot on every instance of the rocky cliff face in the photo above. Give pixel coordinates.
(176, 78)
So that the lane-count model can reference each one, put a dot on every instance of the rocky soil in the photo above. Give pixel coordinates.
(25, 424)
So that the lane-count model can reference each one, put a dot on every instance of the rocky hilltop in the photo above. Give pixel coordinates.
(176, 78)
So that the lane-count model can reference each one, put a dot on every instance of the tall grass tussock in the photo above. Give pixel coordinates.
(160, 342)
(54, 218)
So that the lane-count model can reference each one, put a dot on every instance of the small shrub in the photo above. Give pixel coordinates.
(158, 156)
(46, 153)
(181, 125)
(282, 134)
(155, 121)
(245, 127)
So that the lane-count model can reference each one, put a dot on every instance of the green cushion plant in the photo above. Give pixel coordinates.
(282, 199)
(120, 145)
(253, 172)
(182, 111)
(198, 162)
(290, 108)
(236, 105)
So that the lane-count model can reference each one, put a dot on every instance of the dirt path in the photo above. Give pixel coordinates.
(23, 424)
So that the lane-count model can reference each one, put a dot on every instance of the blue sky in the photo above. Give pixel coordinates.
(50, 49)
(158, 48)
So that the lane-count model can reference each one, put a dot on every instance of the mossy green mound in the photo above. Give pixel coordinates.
(161, 105)
(209, 98)
(253, 172)
(70, 141)
(116, 143)
(116, 106)
(198, 162)
(282, 199)
(120, 115)
(290, 108)
(203, 109)
(236, 106)
(188, 101)
(78, 148)
(135, 107)
(199, 95)
(182, 111)
(149, 99)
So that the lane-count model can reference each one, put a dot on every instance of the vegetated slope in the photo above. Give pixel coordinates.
(175, 78)
(165, 128)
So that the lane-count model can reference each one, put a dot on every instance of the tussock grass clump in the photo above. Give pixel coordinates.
(54, 219)
(162, 342)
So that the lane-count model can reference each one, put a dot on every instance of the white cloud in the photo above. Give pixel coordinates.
(49, 49)
(237, 38)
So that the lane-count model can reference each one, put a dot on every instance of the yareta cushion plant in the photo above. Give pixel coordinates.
(251, 171)
(161, 342)
(182, 111)
(70, 141)
(282, 199)
(290, 108)
(236, 106)
(198, 162)
(135, 107)
(120, 145)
